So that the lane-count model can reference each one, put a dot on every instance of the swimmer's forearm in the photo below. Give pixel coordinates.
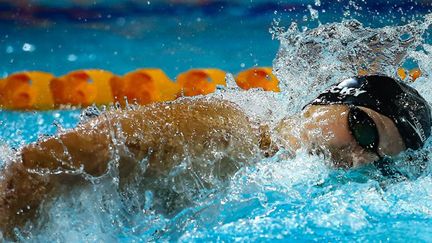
(88, 148)
(26, 183)
(82, 148)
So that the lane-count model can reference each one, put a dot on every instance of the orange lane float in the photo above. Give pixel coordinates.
(40, 90)
(143, 86)
(412, 75)
(82, 88)
(200, 81)
(26, 90)
(362, 72)
(415, 74)
(258, 77)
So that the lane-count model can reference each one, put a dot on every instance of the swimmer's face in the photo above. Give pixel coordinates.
(326, 131)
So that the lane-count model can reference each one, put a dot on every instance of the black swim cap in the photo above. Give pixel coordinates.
(409, 111)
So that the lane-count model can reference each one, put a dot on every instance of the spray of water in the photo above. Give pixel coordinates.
(309, 60)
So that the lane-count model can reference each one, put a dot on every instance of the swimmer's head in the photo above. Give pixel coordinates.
(363, 119)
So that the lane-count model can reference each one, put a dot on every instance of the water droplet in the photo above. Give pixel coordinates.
(9, 49)
(242, 65)
(40, 121)
(346, 13)
(28, 47)
(313, 12)
(72, 58)
(230, 81)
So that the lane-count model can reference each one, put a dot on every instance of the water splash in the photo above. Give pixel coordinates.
(307, 61)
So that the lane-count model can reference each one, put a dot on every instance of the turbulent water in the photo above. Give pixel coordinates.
(278, 198)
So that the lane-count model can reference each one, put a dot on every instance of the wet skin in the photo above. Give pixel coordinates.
(167, 134)
(326, 128)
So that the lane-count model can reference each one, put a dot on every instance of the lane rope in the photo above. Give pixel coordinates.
(35, 90)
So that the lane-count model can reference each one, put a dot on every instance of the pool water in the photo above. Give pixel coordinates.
(278, 199)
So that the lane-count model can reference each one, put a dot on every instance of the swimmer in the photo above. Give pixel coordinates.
(355, 122)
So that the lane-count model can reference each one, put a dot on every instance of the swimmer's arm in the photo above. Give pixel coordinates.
(85, 148)
(127, 136)
(22, 190)
(25, 183)
(91, 146)
(130, 135)
(88, 148)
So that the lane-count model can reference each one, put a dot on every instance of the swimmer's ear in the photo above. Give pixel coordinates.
(306, 111)
(265, 142)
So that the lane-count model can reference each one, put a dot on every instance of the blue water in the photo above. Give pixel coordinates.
(171, 37)
(279, 199)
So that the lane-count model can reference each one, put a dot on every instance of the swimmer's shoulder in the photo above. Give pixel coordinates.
(195, 107)
(202, 113)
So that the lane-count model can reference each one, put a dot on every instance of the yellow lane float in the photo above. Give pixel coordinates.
(82, 87)
(401, 73)
(258, 78)
(200, 81)
(26, 90)
(40, 90)
(143, 86)
(412, 75)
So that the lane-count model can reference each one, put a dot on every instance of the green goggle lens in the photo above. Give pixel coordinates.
(363, 128)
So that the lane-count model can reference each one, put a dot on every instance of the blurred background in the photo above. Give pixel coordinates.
(120, 36)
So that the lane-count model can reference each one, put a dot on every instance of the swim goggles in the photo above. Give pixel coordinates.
(365, 132)
(363, 129)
